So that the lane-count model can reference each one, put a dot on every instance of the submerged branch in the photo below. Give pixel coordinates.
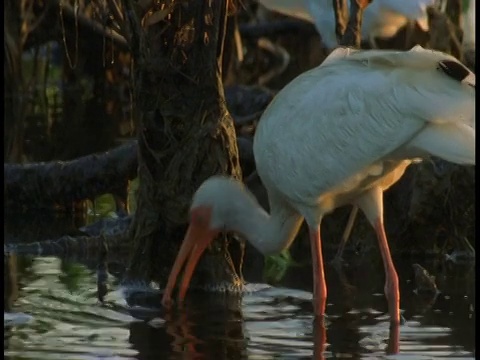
(40, 185)
(79, 246)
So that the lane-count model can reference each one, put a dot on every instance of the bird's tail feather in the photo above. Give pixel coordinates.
(451, 142)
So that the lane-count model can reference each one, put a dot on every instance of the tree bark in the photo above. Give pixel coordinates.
(15, 93)
(79, 247)
(185, 134)
(45, 184)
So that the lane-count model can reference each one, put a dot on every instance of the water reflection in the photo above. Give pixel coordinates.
(52, 311)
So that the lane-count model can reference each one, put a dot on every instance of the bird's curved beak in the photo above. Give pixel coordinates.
(196, 240)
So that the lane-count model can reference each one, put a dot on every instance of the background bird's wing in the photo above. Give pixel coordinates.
(293, 8)
(411, 9)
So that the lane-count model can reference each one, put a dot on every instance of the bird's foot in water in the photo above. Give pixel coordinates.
(402, 321)
(396, 318)
(321, 319)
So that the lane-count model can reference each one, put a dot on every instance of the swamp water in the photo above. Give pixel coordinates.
(52, 311)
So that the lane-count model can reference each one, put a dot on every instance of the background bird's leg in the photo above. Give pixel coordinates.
(319, 285)
(341, 17)
(352, 35)
(371, 204)
(337, 260)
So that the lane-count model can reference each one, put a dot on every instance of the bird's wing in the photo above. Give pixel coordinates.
(324, 130)
(331, 124)
(452, 142)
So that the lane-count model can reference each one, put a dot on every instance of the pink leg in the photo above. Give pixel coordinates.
(319, 285)
(392, 291)
(393, 346)
(319, 338)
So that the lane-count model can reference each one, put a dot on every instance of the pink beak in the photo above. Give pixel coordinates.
(196, 240)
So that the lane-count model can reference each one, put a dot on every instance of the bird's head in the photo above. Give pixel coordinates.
(211, 212)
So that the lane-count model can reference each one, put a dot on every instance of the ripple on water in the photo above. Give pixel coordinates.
(65, 324)
(56, 315)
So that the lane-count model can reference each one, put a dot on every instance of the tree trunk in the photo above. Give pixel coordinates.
(185, 134)
(15, 94)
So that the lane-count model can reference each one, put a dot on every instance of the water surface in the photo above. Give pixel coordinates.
(53, 311)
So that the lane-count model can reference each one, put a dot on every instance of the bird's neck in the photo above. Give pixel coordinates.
(268, 233)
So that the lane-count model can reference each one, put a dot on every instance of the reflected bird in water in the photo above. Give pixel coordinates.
(341, 133)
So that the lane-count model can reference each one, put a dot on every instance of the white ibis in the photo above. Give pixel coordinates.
(382, 18)
(341, 133)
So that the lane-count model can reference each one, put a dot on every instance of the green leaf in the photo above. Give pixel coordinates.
(276, 266)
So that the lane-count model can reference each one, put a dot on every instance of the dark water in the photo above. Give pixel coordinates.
(52, 311)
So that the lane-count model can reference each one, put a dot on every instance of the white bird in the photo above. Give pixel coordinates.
(382, 18)
(341, 133)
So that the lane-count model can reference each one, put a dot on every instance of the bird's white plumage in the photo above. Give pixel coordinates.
(382, 18)
(329, 130)
(454, 142)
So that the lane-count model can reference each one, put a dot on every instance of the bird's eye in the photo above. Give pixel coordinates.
(454, 69)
